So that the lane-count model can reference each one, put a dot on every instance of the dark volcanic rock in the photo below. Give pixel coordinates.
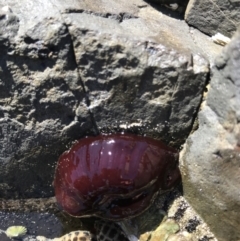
(74, 67)
(42, 104)
(214, 16)
(211, 157)
(144, 83)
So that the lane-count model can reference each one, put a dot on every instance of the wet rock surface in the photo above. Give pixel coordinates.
(78, 68)
(211, 157)
(214, 16)
(74, 68)
(172, 218)
(37, 223)
(169, 218)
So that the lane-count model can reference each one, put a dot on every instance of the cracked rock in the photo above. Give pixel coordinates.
(79, 67)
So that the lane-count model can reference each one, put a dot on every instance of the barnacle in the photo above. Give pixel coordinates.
(16, 231)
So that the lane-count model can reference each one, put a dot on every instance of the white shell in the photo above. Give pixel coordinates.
(16, 231)
(41, 238)
(173, 6)
(220, 39)
(6, 9)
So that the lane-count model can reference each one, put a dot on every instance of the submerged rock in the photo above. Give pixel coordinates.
(182, 236)
(165, 230)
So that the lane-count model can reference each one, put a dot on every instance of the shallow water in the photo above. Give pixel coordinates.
(44, 224)
(50, 225)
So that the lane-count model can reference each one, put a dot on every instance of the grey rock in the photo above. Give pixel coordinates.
(72, 68)
(214, 16)
(129, 92)
(211, 157)
(126, 83)
(9, 23)
(42, 107)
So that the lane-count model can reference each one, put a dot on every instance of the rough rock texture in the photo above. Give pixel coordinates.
(42, 103)
(211, 157)
(69, 68)
(214, 16)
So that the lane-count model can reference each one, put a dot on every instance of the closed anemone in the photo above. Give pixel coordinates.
(114, 176)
